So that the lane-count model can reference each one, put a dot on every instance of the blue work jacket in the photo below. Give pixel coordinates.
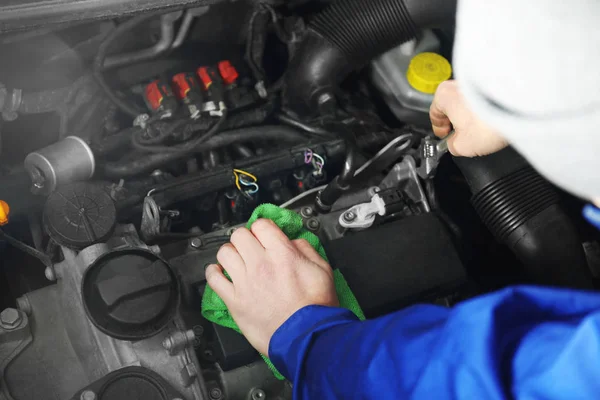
(522, 342)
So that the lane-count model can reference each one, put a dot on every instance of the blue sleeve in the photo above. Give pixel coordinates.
(522, 342)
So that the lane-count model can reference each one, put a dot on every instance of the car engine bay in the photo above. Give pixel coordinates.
(136, 136)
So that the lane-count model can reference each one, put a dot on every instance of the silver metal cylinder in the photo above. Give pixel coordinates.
(69, 160)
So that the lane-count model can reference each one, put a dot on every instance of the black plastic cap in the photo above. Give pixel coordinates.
(131, 383)
(130, 294)
(79, 214)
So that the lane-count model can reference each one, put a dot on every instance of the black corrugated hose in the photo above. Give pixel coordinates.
(522, 210)
(350, 33)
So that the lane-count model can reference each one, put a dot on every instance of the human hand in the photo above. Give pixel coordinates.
(272, 277)
(472, 137)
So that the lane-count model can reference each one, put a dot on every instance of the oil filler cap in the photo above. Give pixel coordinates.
(80, 214)
(427, 70)
(130, 294)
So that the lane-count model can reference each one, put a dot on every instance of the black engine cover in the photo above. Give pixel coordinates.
(397, 264)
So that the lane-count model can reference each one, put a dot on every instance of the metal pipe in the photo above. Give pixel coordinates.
(186, 24)
(167, 34)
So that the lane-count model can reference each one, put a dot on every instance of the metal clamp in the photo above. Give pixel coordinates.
(363, 215)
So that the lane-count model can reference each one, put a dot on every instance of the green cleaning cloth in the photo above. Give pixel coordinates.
(215, 310)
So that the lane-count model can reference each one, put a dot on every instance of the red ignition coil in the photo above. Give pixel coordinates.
(228, 72)
(160, 98)
(187, 89)
(213, 83)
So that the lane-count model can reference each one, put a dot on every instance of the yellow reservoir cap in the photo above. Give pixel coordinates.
(4, 211)
(427, 70)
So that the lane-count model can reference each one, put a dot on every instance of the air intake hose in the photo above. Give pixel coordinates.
(521, 209)
(347, 35)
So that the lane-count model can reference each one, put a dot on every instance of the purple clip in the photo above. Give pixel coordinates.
(308, 156)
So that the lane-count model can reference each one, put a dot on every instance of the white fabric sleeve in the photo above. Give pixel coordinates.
(531, 70)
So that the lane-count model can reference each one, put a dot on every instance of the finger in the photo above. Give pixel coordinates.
(269, 235)
(219, 283)
(452, 147)
(440, 123)
(247, 244)
(442, 106)
(231, 260)
(309, 252)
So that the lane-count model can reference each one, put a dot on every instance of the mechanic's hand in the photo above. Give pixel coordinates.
(472, 137)
(271, 278)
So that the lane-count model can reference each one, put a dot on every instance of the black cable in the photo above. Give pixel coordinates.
(184, 147)
(139, 139)
(148, 162)
(315, 130)
(98, 65)
(255, 46)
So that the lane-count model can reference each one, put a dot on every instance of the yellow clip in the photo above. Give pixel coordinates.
(4, 212)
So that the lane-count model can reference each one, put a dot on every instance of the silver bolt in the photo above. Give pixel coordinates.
(49, 273)
(24, 305)
(373, 190)
(349, 216)
(230, 231)
(178, 341)
(10, 318)
(198, 330)
(258, 394)
(307, 212)
(215, 393)
(168, 343)
(313, 224)
(88, 395)
(196, 243)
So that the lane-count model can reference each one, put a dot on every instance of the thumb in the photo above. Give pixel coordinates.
(219, 283)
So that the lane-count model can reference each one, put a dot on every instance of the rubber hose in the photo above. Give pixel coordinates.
(350, 33)
(148, 162)
(98, 64)
(521, 209)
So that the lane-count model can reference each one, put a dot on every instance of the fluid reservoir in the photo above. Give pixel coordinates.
(408, 75)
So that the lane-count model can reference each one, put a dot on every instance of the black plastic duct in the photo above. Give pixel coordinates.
(347, 35)
(521, 209)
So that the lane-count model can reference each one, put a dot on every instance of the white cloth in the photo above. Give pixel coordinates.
(531, 70)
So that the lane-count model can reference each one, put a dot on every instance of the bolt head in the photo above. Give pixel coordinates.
(196, 243)
(215, 393)
(88, 395)
(10, 318)
(49, 273)
(167, 343)
(349, 216)
(307, 212)
(258, 394)
(312, 224)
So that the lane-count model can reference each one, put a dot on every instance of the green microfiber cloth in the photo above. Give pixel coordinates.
(215, 310)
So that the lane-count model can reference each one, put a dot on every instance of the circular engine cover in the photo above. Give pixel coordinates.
(80, 214)
(130, 294)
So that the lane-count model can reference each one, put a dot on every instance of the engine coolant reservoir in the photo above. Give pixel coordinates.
(408, 76)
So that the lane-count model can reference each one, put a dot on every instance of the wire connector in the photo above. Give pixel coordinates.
(141, 121)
